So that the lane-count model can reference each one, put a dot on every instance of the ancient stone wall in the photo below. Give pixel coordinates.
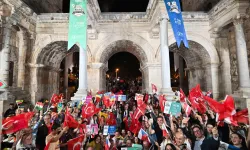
(198, 5)
(233, 59)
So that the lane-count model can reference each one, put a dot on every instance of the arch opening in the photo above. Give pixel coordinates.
(197, 67)
(52, 74)
(123, 73)
(123, 50)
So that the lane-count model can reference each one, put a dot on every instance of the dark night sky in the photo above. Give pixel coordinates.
(127, 63)
(123, 5)
(116, 5)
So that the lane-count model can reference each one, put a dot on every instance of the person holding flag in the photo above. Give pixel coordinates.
(52, 140)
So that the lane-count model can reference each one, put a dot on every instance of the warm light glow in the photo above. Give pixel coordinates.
(107, 75)
(117, 70)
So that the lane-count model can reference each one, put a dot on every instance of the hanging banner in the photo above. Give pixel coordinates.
(78, 23)
(175, 17)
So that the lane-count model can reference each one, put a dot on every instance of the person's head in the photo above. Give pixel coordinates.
(117, 134)
(126, 107)
(179, 138)
(146, 144)
(18, 112)
(98, 139)
(46, 119)
(55, 128)
(160, 121)
(129, 143)
(134, 108)
(204, 117)
(95, 117)
(26, 136)
(11, 105)
(209, 128)
(76, 110)
(147, 125)
(170, 146)
(129, 133)
(236, 139)
(123, 132)
(197, 131)
(90, 148)
(79, 120)
(137, 140)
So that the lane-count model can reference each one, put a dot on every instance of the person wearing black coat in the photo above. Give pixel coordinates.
(210, 144)
(42, 132)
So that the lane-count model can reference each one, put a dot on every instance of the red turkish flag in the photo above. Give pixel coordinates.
(162, 101)
(135, 126)
(196, 99)
(70, 121)
(139, 111)
(111, 120)
(89, 110)
(242, 116)
(55, 99)
(16, 123)
(76, 143)
(214, 105)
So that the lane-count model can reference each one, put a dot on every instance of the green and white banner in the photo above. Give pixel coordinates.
(78, 23)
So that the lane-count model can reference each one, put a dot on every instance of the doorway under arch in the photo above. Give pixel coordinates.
(124, 47)
(123, 73)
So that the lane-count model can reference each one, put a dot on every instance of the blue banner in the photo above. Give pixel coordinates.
(175, 17)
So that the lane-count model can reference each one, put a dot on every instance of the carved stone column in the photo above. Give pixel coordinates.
(95, 76)
(83, 78)
(215, 80)
(221, 43)
(241, 50)
(4, 58)
(165, 62)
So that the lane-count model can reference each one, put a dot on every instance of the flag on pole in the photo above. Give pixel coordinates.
(143, 135)
(78, 23)
(175, 17)
(39, 106)
(107, 143)
(18, 102)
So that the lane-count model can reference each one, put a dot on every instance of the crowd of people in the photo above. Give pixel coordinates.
(140, 122)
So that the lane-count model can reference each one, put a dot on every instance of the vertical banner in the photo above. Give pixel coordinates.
(176, 20)
(78, 23)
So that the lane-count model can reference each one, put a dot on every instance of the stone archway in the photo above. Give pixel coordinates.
(121, 45)
(45, 71)
(199, 67)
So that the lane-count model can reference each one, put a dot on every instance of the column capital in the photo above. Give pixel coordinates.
(239, 19)
(163, 16)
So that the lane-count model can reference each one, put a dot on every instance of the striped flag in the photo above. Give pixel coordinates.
(107, 143)
(187, 109)
(39, 106)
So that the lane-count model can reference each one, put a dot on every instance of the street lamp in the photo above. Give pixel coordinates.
(116, 73)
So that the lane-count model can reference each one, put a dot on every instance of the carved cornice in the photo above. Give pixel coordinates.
(20, 10)
(223, 13)
(239, 19)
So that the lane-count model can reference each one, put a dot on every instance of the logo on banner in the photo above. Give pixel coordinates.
(78, 10)
(173, 7)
